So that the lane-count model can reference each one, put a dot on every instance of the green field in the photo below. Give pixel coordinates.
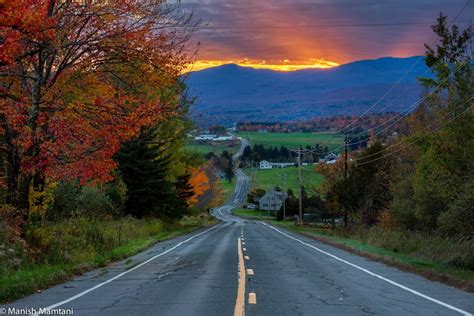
(268, 178)
(292, 140)
(215, 148)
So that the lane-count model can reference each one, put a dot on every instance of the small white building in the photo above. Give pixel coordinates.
(329, 159)
(265, 165)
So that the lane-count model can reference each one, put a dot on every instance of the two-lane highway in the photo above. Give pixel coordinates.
(241, 266)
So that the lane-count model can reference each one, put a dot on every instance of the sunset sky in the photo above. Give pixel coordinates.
(295, 34)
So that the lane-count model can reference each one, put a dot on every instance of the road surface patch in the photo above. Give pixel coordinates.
(460, 311)
(53, 306)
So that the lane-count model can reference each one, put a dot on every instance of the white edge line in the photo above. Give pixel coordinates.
(125, 272)
(463, 312)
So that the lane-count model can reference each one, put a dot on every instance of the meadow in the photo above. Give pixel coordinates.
(268, 178)
(292, 140)
(215, 147)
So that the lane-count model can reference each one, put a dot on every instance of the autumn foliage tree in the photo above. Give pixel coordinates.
(78, 78)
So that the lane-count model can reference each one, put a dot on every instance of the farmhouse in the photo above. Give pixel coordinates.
(329, 158)
(272, 201)
(265, 165)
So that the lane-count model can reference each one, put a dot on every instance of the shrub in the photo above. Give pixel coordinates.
(117, 193)
(64, 201)
(93, 202)
(458, 221)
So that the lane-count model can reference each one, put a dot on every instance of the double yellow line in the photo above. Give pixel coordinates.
(239, 309)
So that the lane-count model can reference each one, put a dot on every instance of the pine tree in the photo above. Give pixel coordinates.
(184, 190)
(144, 168)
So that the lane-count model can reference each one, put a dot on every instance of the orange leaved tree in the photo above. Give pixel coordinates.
(78, 78)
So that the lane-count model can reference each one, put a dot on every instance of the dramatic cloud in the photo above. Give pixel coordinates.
(304, 33)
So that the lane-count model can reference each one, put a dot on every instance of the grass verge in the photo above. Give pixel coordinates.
(413, 262)
(80, 256)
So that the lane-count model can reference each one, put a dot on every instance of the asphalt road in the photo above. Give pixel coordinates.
(280, 273)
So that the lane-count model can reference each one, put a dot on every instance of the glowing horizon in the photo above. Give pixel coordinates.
(284, 65)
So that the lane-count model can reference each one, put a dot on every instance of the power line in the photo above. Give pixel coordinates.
(410, 143)
(398, 82)
(408, 110)
(219, 27)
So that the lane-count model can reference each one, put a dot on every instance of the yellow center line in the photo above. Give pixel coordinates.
(240, 301)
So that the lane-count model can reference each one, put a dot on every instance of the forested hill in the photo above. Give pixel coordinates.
(232, 93)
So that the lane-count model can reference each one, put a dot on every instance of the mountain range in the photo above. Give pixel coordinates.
(231, 93)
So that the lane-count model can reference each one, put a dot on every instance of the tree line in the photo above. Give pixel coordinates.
(421, 181)
(94, 113)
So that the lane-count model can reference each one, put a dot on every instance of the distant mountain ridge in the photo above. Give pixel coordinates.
(231, 93)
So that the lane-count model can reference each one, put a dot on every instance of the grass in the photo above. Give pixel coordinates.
(215, 147)
(269, 178)
(292, 140)
(79, 255)
(373, 245)
(251, 214)
(227, 189)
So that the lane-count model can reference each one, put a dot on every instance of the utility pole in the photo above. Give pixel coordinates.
(283, 177)
(345, 175)
(300, 221)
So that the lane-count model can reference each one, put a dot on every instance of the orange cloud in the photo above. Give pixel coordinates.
(281, 65)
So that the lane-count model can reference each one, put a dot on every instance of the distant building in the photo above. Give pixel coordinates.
(205, 137)
(265, 165)
(282, 164)
(223, 138)
(272, 201)
(329, 159)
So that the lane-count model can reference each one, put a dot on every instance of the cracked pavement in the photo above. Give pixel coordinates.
(200, 277)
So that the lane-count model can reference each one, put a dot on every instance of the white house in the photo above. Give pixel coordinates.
(265, 165)
(271, 201)
(330, 158)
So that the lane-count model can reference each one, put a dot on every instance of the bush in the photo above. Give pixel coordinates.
(64, 201)
(117, 193)
(458, 221)
(93, 202)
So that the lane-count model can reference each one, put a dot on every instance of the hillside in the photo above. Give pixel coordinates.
(232, 93)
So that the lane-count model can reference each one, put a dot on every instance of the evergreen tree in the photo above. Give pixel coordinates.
(184, 190)
(144, 169)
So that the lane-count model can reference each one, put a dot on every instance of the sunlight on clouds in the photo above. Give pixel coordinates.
(279, 65)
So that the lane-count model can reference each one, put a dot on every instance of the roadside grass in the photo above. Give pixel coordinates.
(66, 250)
(251, 214)
(269, 178)
(442, 261)
(227, 189)
(293, 139)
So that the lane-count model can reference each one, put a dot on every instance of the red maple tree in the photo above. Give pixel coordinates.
(78, 78)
